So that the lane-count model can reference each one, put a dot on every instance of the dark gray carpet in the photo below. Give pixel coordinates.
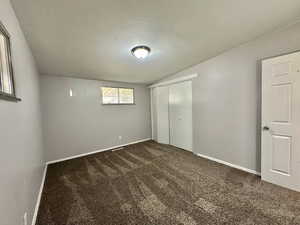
(149, 183)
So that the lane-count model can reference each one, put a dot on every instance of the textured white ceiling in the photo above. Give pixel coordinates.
(93, 38)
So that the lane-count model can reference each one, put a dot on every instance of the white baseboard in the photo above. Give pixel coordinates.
(230, 164)
(97, 151)
(39, 196)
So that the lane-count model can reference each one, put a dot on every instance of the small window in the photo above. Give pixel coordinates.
(7, 90)
(126, 96)
(117, 96)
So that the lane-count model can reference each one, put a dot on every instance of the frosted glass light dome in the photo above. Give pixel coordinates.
(141, 52)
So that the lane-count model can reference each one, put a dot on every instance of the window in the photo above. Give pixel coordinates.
(117, 96)
(126, 96)
(7, 90)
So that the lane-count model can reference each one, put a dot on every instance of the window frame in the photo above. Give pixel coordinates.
(118, 96)
(4, 95)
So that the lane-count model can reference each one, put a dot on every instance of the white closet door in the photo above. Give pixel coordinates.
(180, 113)
(162, 109)
(154, 113)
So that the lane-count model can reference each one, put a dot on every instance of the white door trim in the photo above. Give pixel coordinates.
(175, 80)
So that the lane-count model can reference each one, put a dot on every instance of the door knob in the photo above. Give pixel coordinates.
(266, 128)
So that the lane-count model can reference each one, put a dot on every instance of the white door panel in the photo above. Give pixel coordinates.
(282, 109)
(180, 112)
(162, 103)
(281, 120)
(154, 113)
(281, 152)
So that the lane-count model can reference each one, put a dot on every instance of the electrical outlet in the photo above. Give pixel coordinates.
(25, 219)
(120, 137)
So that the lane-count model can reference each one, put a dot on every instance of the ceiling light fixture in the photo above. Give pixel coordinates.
(141, 51)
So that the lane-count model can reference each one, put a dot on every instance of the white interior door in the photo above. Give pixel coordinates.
(162, 117)
(180, 113)
(281, 121)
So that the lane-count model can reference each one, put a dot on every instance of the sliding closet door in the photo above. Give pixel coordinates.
(162, 116)
(180, 115)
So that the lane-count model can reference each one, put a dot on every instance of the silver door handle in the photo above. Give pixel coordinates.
(266, 128)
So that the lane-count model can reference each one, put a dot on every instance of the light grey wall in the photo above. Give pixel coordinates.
(21, 148)
(81, 124)
(226, 98)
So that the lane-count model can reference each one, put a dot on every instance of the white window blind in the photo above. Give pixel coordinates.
(117, 96)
